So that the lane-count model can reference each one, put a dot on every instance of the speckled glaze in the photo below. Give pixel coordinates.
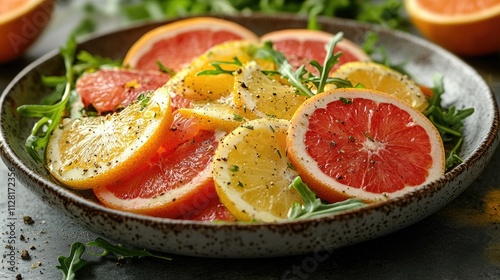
(464, 88)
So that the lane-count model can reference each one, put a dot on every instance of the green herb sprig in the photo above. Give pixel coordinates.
(449, 122)
(301, 78)
(69, 265)
(54, 106)
(218, 69)
(50, 115)
(313, 207)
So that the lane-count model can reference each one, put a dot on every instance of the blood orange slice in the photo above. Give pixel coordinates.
(365, 144)
(300, 46)
(173, 185)
(177, 43)
(108, 90)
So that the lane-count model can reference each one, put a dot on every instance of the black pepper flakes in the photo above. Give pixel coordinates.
(28, 220)
(25, 255)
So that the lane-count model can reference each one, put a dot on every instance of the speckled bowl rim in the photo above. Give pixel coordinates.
(490, 142)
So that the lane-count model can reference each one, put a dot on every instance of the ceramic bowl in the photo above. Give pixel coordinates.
(464, 88)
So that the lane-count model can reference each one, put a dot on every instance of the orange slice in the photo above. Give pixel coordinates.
(176, 44)
(365, 144)
(94, 151)
(465, 27)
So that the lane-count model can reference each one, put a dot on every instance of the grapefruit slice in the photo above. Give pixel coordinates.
(362, 143)
(111, 89)
(176, 44)
(465, 27)
(300, 46)
(173, 185)
(94, 151)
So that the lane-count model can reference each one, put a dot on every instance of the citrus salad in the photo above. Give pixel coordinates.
(290, 124)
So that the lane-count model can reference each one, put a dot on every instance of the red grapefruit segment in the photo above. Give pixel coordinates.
(171, 184)
(108, 90)
(365, 144)
(176, 44)
(301, 46)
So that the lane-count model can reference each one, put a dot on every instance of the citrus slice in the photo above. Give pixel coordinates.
(21, 23)
(190, 84)
(379, 77)
(365, 144)
(177, 43)
(252, 172)
(177, 184)
(256, 95)
(94, 151)
(213, 116)
(465, 27)
(111, 89)
(300, 46)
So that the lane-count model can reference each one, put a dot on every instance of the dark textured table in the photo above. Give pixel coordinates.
(461, 241)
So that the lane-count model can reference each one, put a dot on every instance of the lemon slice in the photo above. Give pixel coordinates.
(379, 77)
(252, 172)
(189, 84)
(213, 115)
(258, 96)
(94, 151)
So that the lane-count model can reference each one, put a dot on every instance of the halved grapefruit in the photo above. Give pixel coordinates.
(362, 143)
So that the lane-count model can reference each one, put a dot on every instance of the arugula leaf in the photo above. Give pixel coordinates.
(121, 251)
(449, 122)
(50, 115)
(314, 207)
(54, 106)
(379, 53)
(69, 265)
